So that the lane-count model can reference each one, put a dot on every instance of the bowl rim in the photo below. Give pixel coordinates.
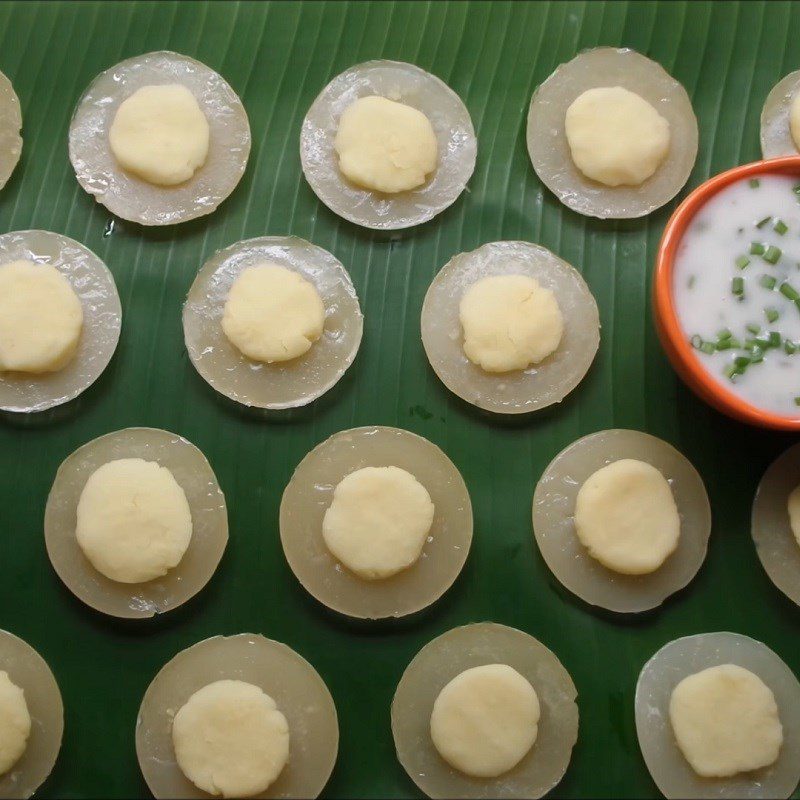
(674, 341)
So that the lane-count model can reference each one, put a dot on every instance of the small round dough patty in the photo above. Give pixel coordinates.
(378, 521)
(794, 513)
(725, 721)
(230, 739)
(485, 720)
(15, 723)
(615, 136)
(794, 120)
(509, 322)
(160, 134)
(134, 521)
(626, 517)
(41, 318)
(273, 314)
(385, 146)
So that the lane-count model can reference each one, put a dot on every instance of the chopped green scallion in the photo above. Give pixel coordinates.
(724, 333)
(788, 291)
(780, 227)
(741, 362)
(757, 249)
(742, 262)
(757, 356)
(725, 344)
(790, 348)
(772, 254)
(708, 348)
(796, 189)
(737, 287)
(762, 222)
(797, 401)
(767, 281)
(752, 327)
(771, 314)
(754, 183)
(696, 341)
(731, 371)
(774, 339)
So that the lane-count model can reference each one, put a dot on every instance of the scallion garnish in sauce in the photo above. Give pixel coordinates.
(746, 332)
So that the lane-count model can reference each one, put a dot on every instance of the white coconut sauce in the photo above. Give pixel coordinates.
(735, 305)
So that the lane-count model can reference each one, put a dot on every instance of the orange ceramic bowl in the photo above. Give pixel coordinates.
(674, 340)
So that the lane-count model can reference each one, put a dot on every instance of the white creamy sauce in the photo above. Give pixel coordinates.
(706, 302)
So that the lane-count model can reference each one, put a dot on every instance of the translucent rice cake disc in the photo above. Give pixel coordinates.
(776, 545)
(667, 765)
(28, 670)
(550, 153)
(280, 385)
(299, 692)
(521, 391)
(404, 83)
(10, 127)
(130, 197)
(447, 656)
(193, 474)
(94, 285)
(310, 493)
(554, 526)
(776, 135)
